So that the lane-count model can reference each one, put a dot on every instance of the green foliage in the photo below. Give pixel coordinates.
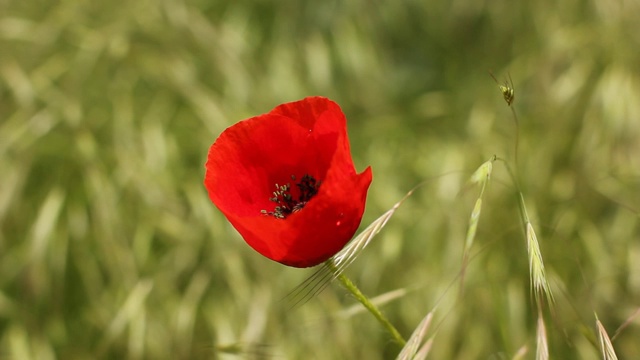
(109, 246)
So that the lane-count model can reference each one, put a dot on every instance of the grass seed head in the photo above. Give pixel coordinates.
(606, 347)
(539, 281)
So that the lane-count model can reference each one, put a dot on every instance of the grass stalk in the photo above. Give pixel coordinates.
(353, 289)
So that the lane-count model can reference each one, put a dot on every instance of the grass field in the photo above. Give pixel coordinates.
(110, 247)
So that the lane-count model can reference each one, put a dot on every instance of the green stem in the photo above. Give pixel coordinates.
(353, 289)
(524, 216)
(515, 119)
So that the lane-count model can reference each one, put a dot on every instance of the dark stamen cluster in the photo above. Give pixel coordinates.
(287, 205)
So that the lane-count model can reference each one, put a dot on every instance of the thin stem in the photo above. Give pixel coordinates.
(524, 216)
(353, 289)
(515, 119)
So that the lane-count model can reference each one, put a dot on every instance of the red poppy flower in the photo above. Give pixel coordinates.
(286, 181)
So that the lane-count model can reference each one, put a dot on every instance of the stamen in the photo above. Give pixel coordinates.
(286, 205)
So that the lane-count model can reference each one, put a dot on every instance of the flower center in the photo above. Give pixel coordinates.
(286, 204)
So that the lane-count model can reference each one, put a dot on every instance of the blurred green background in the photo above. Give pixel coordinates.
(110, 248)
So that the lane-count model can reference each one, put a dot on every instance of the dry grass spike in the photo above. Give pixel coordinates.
(606, 347)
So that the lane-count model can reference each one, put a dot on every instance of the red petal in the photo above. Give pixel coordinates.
(303, 137)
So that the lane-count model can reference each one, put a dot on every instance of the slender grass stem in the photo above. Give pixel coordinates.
(524, 216)
(353, 289)
(517, 136)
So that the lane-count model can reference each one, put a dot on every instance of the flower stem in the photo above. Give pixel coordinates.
(353, 289)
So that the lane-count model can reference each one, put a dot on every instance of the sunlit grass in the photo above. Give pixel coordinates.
(110, 247)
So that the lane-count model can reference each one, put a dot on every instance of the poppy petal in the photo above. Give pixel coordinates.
(252, 157)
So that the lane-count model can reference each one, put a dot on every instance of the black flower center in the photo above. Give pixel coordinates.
(286, 204)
